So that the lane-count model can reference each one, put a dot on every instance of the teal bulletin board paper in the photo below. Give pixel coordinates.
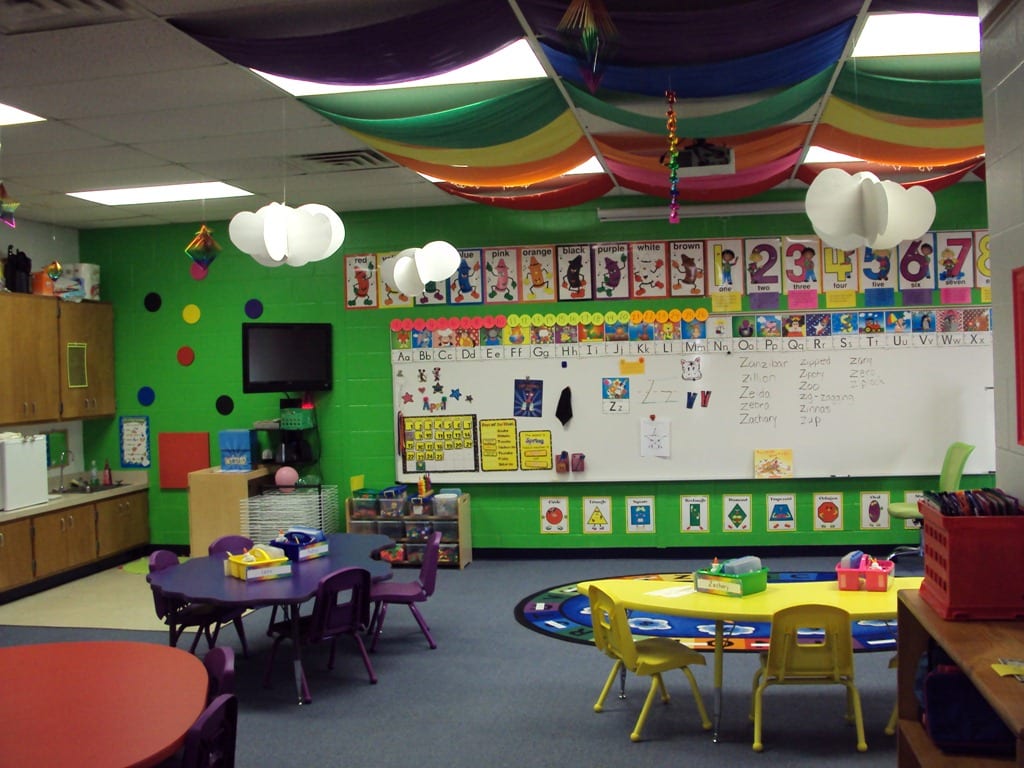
(134, 439)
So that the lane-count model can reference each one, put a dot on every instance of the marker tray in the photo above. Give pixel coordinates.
(869, 579)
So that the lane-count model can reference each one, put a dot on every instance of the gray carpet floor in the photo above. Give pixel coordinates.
(495, 693)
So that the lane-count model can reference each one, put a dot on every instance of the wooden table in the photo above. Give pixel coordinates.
(683, 600)
(202, 580)
(101, 704)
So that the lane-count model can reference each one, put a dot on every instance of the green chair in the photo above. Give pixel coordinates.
(949, 480)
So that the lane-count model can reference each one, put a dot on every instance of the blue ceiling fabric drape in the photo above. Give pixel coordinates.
(673, 33)
(776, 68)
(408, 47)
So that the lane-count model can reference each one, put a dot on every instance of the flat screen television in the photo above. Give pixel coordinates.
(286, 357)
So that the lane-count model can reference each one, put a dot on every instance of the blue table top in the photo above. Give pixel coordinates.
(202, 578)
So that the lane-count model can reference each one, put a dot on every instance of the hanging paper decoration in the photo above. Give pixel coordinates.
(203, 249)
(673, 159)
(7, 207)
(588, 30)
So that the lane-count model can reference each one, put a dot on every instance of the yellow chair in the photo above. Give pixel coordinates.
(890, 727)
(949, 480)
(809, 645)
(650, 657)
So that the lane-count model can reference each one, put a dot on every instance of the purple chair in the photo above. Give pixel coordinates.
(220, 668)
(330, 619)
(234, 544)
(210, 740)
(179, 615)
(407, 592)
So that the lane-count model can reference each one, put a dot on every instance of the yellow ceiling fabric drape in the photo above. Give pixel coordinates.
(512, 175)
(934, 134)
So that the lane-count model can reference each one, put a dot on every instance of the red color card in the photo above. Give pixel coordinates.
(181, 453)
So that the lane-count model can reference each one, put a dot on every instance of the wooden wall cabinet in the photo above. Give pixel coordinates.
(15, 553)
(64, 539)
(974, 646)
(86, 357)
(214, 498)
(122, 523)
(28, 359)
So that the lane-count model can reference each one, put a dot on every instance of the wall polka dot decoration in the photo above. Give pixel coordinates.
(186, 355)
(191, 314)
(198, 271)
(253, 308)
(152, 302)
(146, 396)
(225, 405)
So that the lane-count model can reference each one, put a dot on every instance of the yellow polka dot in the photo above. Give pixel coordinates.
(190, 314)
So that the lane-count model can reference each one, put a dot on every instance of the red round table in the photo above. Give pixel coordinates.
(101, 704)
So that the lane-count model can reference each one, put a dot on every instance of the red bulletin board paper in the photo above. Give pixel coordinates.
(181, 453)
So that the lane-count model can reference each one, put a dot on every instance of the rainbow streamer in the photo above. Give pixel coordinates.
(673, 158)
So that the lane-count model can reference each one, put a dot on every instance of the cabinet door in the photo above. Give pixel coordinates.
(28, 359)
(122, 523)
(64, 539)
(15, 553)
(86, 360)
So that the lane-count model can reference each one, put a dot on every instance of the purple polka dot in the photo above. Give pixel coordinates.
(253, 308)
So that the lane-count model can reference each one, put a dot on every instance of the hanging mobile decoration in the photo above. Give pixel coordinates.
(203, 249)
(673, 159)
(587, 28)
(8, 206)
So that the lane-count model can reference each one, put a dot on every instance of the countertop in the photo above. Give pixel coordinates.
(130, 482)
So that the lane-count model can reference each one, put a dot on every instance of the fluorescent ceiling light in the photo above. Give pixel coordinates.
(171, 193)
(515, 61)
(590, 166)
(701, 211)
(14, 116)
(818, 154)
(903, 34)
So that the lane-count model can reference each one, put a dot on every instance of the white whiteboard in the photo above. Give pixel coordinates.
(859, 405)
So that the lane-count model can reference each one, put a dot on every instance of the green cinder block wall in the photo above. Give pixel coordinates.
(356, 417)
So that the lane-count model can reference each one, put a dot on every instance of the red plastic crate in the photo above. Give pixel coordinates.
(972, 565)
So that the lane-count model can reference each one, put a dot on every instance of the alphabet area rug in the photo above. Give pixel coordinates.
(563, 613)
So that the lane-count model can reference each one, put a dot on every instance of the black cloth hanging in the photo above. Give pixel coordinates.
(564, 410)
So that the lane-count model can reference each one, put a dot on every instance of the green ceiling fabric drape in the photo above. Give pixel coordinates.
(778, 107)
(497, 120)
(930, 99)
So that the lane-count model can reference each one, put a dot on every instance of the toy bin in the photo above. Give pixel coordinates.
(421, 505)
(393, 530)
(365, 504)
(732, 585)
(418, 531)
(258, 564)
(869, 579)
(302, 544)
(971, 564)
(449, 529)
(393, 507)
(414, 553)
(448, 554)
(362, 526)
(446, 505)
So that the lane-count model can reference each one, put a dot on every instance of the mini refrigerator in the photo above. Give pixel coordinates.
(23, 479)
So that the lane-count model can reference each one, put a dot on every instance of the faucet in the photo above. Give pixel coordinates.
(66, 457)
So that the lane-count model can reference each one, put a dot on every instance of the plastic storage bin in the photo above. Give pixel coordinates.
(365, 504)
(418, 531)
(869, 579)
(732, 585)
(258, 564)
(446, 505)
(393, 507)
(362, 526)
(394, 530)
(448, 554)
(972, 565)
(449, 529)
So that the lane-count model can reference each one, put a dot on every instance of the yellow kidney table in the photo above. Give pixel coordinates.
(681, 599)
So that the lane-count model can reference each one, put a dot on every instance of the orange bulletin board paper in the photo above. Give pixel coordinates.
(181, 453)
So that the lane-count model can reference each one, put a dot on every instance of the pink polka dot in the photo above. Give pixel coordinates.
(198, 271)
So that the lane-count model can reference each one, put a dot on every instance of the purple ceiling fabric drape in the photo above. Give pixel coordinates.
(407, 48)
(669, 32)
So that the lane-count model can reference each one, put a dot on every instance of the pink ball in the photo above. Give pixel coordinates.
(285, 478)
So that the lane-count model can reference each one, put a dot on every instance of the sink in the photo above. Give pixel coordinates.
(57, 492)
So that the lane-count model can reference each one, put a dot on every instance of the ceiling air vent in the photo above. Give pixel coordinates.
(20, 16)
(350, 160)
